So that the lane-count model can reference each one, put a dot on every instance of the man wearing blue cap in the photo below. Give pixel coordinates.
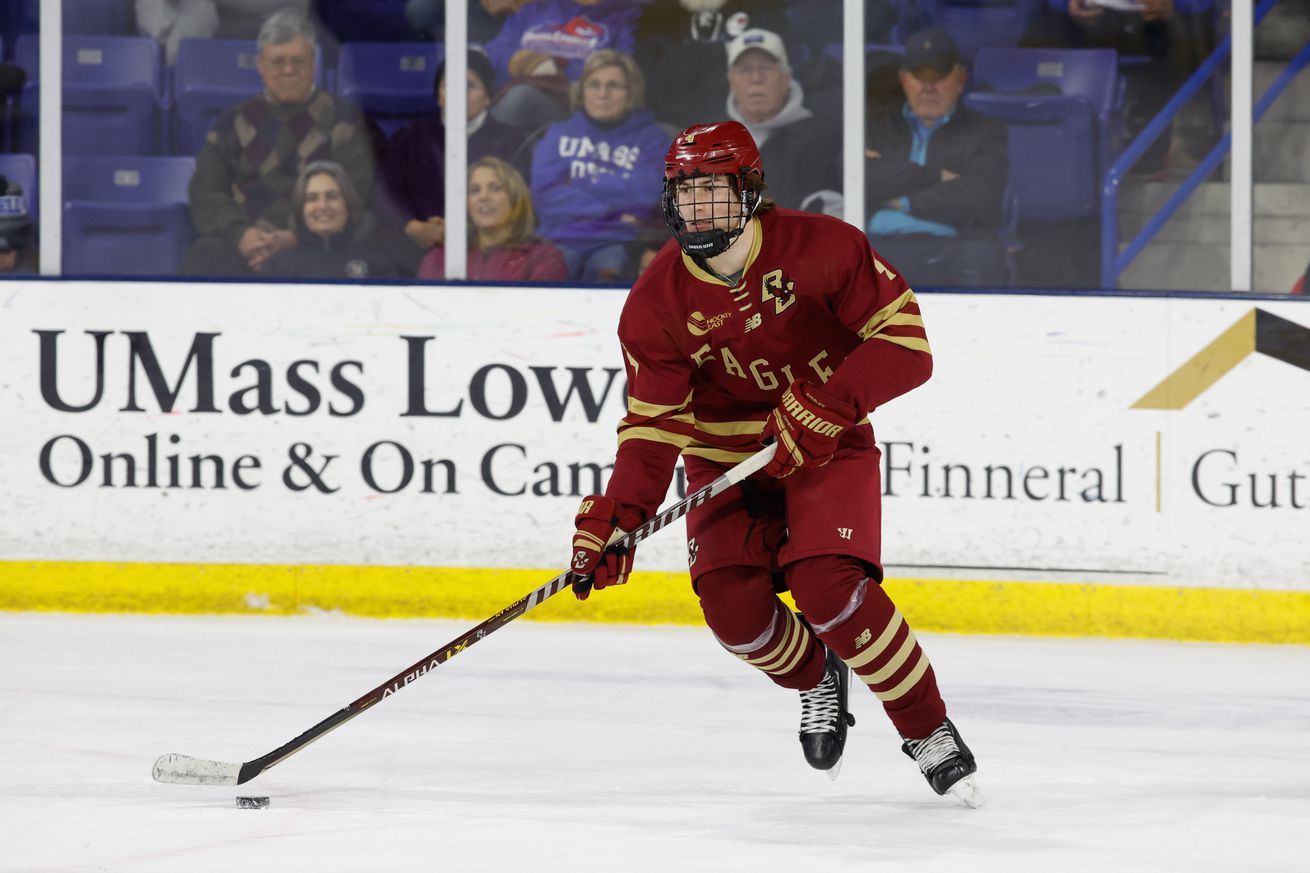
(935, 173)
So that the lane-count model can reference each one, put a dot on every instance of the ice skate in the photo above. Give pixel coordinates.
(824, 718)
(946, 763)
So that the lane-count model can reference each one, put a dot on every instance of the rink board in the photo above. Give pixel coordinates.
(1119, 465)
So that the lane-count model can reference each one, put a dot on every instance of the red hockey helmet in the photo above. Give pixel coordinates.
(722, 148)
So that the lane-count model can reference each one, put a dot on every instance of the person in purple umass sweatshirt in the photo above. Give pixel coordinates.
(597, 175)
(567, 30)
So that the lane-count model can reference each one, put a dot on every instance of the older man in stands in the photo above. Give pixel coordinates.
(935, 173)
(245, 173)
(764, 97)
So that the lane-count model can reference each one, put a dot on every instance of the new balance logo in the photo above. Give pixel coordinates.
(845, 532)
(863, 639)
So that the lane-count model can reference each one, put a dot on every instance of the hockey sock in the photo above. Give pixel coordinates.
(855, 618)
(751, 622)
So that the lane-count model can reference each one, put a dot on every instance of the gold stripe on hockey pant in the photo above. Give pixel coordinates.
(902, 687)
(907, 650)
(788, 653)
(878, 645)
(895, 663)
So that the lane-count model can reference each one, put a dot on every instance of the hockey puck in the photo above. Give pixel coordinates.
(252, 803)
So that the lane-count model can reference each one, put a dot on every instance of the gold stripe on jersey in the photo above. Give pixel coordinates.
(905, 319)
(880, 318)
(631, 360)
(655, 435)
(705, 276)
(722, 456)
(729, 428)
(654, 410)
(636, 418)
(914, 343)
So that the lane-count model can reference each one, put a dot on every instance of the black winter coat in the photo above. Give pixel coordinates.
(684, 58)
(970, 144)
(367, 250)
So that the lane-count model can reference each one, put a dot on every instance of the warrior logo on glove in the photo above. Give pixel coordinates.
(806, 425)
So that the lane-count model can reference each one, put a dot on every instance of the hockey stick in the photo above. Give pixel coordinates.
(186, 770)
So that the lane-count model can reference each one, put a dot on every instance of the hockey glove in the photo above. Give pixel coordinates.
(599, 522)
(806, 427)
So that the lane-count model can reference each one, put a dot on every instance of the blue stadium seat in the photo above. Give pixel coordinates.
(366, 20)
(22, 169)
(392, 82)
(210, 76)
(85, 17)
(112, 94)
(105, 17)
(976, 24)
(1062, 107)
(126, 216)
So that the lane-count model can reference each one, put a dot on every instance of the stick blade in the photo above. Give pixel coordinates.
(186, 770)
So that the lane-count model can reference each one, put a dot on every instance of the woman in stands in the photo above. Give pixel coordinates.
(336, 237)
(596, 175)
(502, 247)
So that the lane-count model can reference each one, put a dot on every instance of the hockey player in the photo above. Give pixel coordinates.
(756, 323)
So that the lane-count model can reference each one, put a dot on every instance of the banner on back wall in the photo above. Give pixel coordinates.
(1118, 440)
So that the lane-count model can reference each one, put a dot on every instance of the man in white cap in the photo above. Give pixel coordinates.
(770, 103)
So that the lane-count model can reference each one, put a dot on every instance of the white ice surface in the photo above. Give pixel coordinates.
(592, 748)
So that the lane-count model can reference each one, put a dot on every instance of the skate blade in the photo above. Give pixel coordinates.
(834, 771)
(968, 792)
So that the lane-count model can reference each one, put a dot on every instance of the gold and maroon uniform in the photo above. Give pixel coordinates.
(707, 361)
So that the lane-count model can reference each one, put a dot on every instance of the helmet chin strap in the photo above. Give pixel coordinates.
(709, 243)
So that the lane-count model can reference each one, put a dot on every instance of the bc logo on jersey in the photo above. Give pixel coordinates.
(779, 289)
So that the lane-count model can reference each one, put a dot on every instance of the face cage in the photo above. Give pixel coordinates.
(706, 243)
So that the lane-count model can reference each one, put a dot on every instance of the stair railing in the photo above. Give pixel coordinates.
(1114, 262)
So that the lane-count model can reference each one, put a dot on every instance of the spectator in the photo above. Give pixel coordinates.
(485, 18)
(680, 49)
(545, 43)
(596, 176)
(171, 21)
(414, 163)
(17, 252)
(935, 172)
(764, 97)
(1172, 37)
(1300, 286)
(240, 194)
(336, 237)
(502, 247)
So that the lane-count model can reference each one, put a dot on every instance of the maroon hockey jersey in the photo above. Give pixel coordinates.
(707, 361)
